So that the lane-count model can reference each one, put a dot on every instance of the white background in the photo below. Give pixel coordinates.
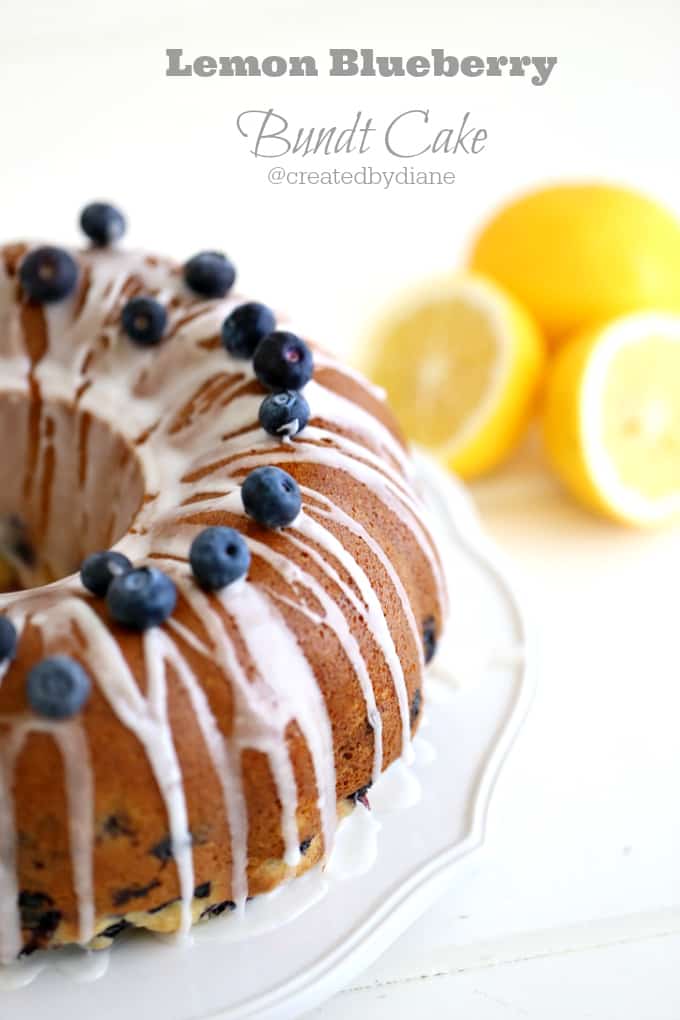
(571, 911)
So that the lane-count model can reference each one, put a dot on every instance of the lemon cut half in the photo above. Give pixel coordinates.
(612, 418)
(461, 362)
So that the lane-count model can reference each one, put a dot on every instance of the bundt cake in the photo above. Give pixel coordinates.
(184, 716)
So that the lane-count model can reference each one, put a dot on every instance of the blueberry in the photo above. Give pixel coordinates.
(161, 906)
(39, 917)
(98, 570)
(245, 327)
(163, 850)
(360, 796)
(141, 598)
(102, 223)
(117, 825)
(284, 414)
(42, 933)
(429, 638)
(114, 930)
(283, 361)
(210, 274)
(48, 274)
(8, 639)
(271, 497)
(218, 908)
(121, 897)
(144, 320)
(15, 539)
(416, 704)
(219, 556)
(58, 687)
(32, 906)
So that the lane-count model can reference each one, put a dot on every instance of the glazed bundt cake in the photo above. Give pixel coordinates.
(184, 716)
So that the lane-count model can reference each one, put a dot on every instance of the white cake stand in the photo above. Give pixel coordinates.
(305, 942)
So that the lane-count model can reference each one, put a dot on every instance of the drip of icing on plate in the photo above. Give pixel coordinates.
(354, 853)
(77, 965)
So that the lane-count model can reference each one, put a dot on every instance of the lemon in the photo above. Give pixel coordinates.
(612, 418)
(581, 254)
(461, 362)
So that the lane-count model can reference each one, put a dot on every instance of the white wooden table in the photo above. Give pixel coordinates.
(573, 908)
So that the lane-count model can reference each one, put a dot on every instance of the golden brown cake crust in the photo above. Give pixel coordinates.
(357, 497)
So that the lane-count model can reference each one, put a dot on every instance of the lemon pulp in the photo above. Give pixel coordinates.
(446, 379)
(641, 416)
(460, 361)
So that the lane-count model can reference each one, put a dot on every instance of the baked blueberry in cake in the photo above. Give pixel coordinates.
(219, 592)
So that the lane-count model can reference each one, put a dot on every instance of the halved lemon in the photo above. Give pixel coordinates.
(461, 362)
(612, 418)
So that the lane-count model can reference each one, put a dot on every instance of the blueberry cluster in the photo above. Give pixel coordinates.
(209, 274)
(144, 597)
(283, 364)
(49, 274)
(281, 360)
(136, 597)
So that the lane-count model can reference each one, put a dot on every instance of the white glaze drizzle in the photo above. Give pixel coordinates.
(89, 366)
(333, 617)
(350, 458)
(296, 696)
(163, 758)
(355, 852)
(10, 924)
(70, 739)
(225, 763)
(78, 776)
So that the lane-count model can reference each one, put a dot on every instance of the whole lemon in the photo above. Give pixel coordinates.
(579, 254)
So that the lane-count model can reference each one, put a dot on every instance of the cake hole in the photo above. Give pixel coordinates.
(70, 484)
